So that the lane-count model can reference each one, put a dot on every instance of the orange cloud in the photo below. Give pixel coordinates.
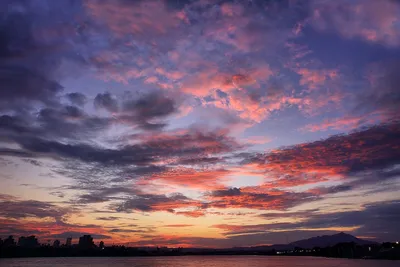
(332, 158)
(245, 198)
(257, 140)
(193, 213)
(178, 225)
(247, 108)
(201, 179)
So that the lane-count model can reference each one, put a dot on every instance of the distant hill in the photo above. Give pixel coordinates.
(329, 240)
(318, 241)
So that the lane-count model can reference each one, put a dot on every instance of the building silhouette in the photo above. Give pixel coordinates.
(28, 242)
(56, 243)
(68, 243)
(86, 242)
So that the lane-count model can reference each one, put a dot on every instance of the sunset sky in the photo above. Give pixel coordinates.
(209, 123)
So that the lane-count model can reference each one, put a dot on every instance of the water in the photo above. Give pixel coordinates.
(196, 261)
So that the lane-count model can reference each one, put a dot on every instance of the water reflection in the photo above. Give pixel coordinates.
(195, 261)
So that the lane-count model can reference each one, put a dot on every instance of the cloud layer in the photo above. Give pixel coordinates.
(220, 123)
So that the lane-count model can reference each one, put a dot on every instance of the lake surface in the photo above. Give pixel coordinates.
(196, 261)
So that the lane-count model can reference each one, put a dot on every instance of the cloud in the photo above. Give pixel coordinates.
(150, 106)
(315, 78)
(326, 160)
(375, 220)
(193, 141)
(124, 231)
(191, 213)
(178, 225)
(257, 140)
(20, 81)
(377, 102)
(251, 199)
(189, 177)
(368, 20)
(78, 99)
(134, 18)
(92, 198)
(58, 194)
(151, 203)
(371, 149)
(221, 67)
(197, 59)
(85, 153)
(15, 153)
(18, 209)
(200, 161)
(295, 214)
(6, 197)
(109, 218)
(188, 144)
(47, 220)
(147, 110)
(95, 193)
(383, 97)
(227, 192)
(106, 101)
(31, 86)
(380, 220)
(333, 189)
(67, 122)
(344, 123)
(30, 57)
(13, 227)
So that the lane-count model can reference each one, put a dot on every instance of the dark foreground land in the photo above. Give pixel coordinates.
(389, 251)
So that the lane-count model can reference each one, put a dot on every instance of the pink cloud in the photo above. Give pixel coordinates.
(189, 177)
(196, 65)
(230, 10)
(345, 123)
(257, 140)
(373, 21)
(315, 78)
(135, 18)
(206, 82)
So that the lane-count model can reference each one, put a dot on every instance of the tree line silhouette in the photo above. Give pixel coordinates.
(30, 247)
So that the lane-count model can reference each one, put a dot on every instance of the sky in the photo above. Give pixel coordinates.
(209, 123)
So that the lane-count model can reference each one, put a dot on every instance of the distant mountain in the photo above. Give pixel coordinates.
(318, 241)
(329, 240)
